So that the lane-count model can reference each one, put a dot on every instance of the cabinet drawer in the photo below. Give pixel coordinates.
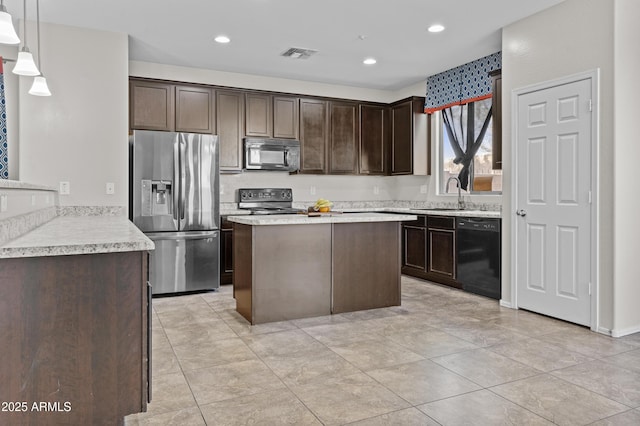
(441, 222)
(420, 222)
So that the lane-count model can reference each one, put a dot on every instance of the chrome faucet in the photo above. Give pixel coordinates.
(460, 200)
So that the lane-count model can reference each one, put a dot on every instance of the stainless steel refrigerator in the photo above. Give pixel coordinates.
(175, 202)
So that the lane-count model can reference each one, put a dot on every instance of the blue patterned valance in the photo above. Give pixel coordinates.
(463, 84)
(4, 155)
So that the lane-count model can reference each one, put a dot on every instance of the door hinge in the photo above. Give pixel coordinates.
(589, 289)
(590, 198)
(590, 105)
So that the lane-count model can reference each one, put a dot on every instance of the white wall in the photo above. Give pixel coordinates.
(572, 37)
(626, 292)
(80, 134)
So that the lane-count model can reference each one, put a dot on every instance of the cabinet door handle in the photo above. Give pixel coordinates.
(521, 212)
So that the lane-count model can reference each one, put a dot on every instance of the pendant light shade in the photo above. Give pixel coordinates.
(39, 87)
(8, 33)
(25, 64)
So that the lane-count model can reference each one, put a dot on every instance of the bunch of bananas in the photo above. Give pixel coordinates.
(322, 205)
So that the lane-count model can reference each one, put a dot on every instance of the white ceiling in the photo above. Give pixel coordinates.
(181, 32)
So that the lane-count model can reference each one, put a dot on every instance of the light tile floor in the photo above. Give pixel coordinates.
(443, 357)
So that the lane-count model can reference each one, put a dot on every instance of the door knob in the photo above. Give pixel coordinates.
(521, 212)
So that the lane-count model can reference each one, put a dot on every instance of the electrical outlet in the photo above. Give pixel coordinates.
(312, 190)
(376, 190)
(65, 188)
(33, 200)
(110, 188)
(423, 189)
(221, 189)
(4, 201)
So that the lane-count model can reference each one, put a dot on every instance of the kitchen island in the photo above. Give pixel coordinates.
(294, 266)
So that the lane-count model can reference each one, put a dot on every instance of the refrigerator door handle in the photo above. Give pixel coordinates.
(176, 179)
(183, 177)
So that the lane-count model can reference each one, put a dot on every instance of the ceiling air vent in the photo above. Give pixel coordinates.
(298, 53)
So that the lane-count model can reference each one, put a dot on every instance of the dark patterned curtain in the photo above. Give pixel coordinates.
(4, 155)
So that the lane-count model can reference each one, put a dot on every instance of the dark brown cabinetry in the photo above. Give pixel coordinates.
(226, 251)
(194, 109)
(408, 128)
(441, 249)
(429, 249)
(151, 105)
(75, 330)
(414, 246)
(344, 137)
(314, 133)
(259, 115)
(285, 117)
(230, 128)
(373, 139)
(496, 100)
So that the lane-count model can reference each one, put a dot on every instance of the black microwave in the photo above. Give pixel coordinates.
(271, 154)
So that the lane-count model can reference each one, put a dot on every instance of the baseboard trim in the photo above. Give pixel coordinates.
(625, 331)
(506, 304)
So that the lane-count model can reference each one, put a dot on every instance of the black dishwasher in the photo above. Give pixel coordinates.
(478, 253)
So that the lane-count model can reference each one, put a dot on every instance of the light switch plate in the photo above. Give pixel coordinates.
(65, 188)
(4, 203)
(110, 188)
(312, 190)
(376, 190)
(423, 189)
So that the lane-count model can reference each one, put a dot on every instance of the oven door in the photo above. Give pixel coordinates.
(271, 155)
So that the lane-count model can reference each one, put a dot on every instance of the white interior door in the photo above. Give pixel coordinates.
(553, 201)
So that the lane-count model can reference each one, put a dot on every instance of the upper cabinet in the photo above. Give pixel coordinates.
(409, 154)
(230, 109)
(314, 135)
(151, 105)
(344, 122)
(373, 139)
(271, 116)
(285, 117)
(195, 109)
(259, 115)
(496, 143)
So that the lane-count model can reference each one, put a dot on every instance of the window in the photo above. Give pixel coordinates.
(482, 179)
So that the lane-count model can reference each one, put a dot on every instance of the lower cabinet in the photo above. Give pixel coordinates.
(429, 249)
(226, 251)
(75, 336)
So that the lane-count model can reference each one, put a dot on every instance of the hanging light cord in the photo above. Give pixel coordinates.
(38, 28)
(25, 24)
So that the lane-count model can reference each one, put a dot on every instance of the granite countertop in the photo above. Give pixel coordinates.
(70, 235)
(301, 219)
(459, 213)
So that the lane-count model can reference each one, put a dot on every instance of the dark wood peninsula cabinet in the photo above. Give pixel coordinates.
(414, 246)
(230, 128)
(314, 133)
(195, 109)
(151, 105)
(344, 137)
(75, 334)
(373, 139)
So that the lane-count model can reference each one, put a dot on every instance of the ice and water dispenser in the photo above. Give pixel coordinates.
(157, 197)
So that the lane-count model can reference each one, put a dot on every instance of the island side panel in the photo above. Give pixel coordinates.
(243, 269)
(292, 272)
(366, 266)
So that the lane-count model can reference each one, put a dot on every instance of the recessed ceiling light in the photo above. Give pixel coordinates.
(369, 61)
(222, 39)
(436, 28)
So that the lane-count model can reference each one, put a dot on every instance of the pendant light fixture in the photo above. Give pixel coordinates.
(25, 64)
(7, 31)
(39, 86)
